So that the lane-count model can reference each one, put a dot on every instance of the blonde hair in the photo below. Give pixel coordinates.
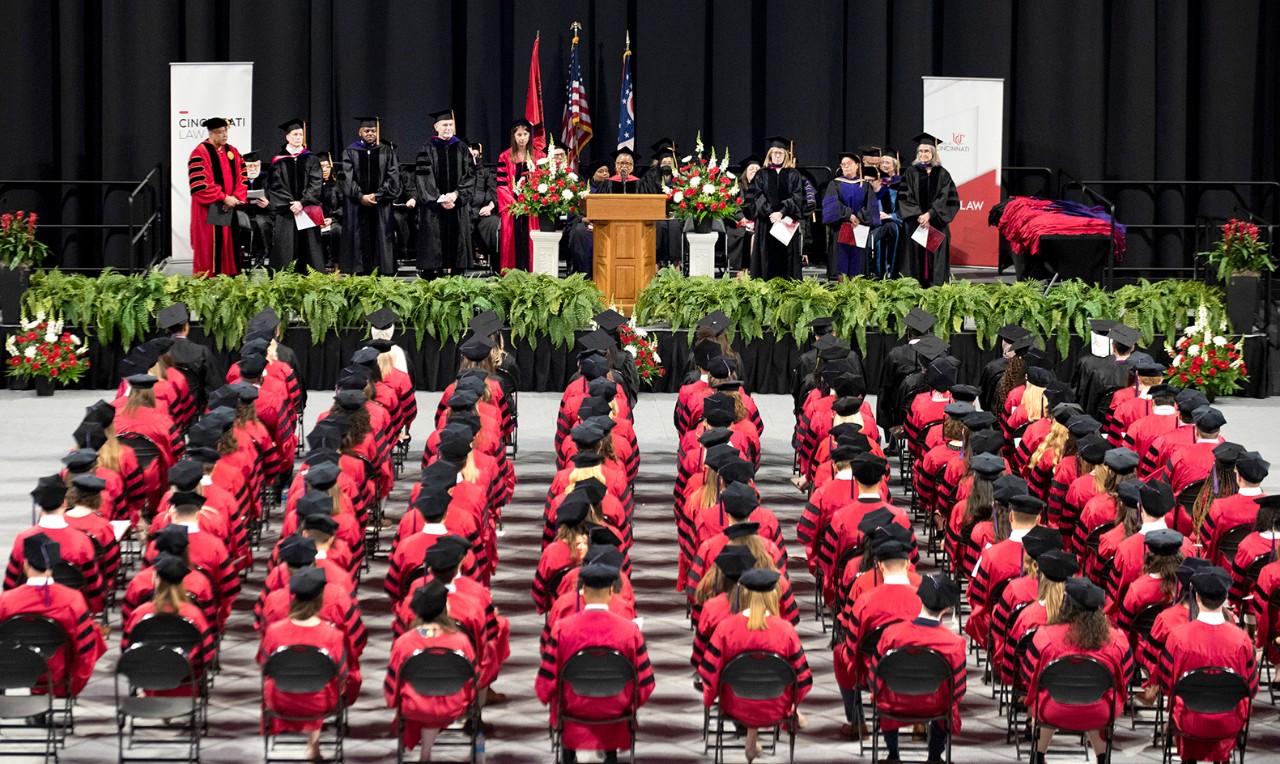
(386, 364)
(140, 397)
(111, 451)
(1052, 592)
(1054, 441)
(710, 493)
(761, 604)
(168, 597)
(582, 473)
(1034, 402)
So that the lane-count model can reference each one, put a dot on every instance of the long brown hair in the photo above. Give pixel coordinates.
(168, 597)
(301, 610)
(1166, 567)
(140, 397)
(1086, 629)
(1220, 484)
(978, 506)
(1015, 374)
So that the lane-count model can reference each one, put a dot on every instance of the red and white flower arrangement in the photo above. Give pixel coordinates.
(42, 350)
(701, 188)
(643, 350)
(548, 188)
(1206, 359)
(1239, 251)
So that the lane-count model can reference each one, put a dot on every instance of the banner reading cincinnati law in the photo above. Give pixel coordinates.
(967, 115)
(198, 91)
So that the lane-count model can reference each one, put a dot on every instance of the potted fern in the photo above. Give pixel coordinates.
(1240, 257)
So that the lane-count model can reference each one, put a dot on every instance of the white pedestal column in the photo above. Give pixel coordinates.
(702, 253)
(546, 252)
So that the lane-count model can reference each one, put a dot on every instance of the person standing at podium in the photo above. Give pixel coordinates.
(928, 197)
(775, 193)
(624, 179)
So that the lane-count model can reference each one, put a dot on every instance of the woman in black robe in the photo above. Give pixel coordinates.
(928, 196)
(777, 191)
(295, 184)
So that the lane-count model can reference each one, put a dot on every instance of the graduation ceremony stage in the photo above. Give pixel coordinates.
(38, 433)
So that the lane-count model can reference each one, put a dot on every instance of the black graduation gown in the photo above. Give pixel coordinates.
(933, 192)
(989, 382)
(802, 380)
(1095, 378)
(778, 190)
(331, 202)
(295, 179)
(485, 228)
(900, 363)
(444, 236)
(259, 238)
(669, 232)
(368, 232)
(205, 372)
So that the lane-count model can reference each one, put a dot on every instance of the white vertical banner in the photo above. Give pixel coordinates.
(198, 91)
(967, 116)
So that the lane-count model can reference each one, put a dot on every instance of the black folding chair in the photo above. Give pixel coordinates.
(25, 668)
(144, 448)
(1268, 668)
(154, 668)
(759, 675)
(1208, 690)
(303, 670)
(1076, 680)
(1139, 634)
(912, 671)
(868, 649)
(842, 561)
(437, 672)
(46, 637)
(1186, 502)
(174, 632)
(1002, 688)
(1016, 720)
(597, 672)
(1229, 543)
(1091, 543)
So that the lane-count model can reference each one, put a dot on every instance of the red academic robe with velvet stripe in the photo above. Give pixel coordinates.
(495, 630)
(1190, 463)
(210, 555)
(201, 658)
(1162, 447)
(593, 627)
(338, 609)
(327, 637)
(428, 712)
(1225, 514)
(1049, 644)
(924, 632)
(885, 604)
(76, 549)
(999, 562)
(1033, 616)
(571, 603)
(1140, 436)
(213, 174)
(1198, 645)
(74, 663)
(706, 617)
(732, 638)
(1268, 618)
(1022, 590)
(143, 585)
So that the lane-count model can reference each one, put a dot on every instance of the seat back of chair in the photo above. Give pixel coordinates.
(1211, 690)
(166, 630)
(300, 669)
(598, 672)
(1019, 657)
(143, 447)
(914, 670)
(1145, 619)
(1077, 680)
(155, 668)
(1230, 541)
(21, 667)
(36, 631)
(437, 672)
(68, 575)
(869, 645)
(758, 675)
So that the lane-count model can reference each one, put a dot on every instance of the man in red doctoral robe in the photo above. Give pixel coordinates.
(215, 172)
(595, 626)
(1209, 640)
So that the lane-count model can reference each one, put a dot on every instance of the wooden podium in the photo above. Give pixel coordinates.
(625, 243)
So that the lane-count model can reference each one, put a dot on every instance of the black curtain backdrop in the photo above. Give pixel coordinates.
(1163, 89)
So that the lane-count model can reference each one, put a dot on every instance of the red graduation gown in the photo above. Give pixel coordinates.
(1049, 644)
(1196, 645)
(327, 637)
(1225, 514)
(885, 604)
(732, 638)
(76, 550)
(213, 174)
(201, 657)
(593, 628)
(338, 609)
(1000, 562)
(421, 711)
(924, 632)
(74, 663)
(143, 585)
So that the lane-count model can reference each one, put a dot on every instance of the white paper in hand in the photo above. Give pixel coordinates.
(921, 236)
(303, 221)
(784, 229)
(860, 234)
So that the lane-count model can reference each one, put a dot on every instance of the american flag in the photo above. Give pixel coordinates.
(627, 108)
(575, 128)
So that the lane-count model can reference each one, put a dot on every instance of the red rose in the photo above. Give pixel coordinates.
(53, 372)
(1213, 372)
(14, 361)
(1199, 380)
(684, 206)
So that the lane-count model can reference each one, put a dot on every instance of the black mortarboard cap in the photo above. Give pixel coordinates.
(601, 536)
(49, 492)
(938, 592)
(1189, 400)
(443, 114)
(1057, 566)
(777, 142)
(1227, 452)
(447, 552)
(41, 552)
(965, 393)
(298, 551)
(587, 459)
(1039, 376)
(1189, 567)
(1124, 335)
(1101, 325)
(1026, 504)
(623, 151)
(742, 530)
(987, 466)
(1121, 461)
(610, 320)
(759, 580)
(1084, 594)
(382, 318)
(252, 365)
(429, 601)
(173, 316)
(141, 381)
(170, 568)
(1007, 486)
(1163, 541)
(573, 510)
(918, 320)
(597, 340)
(715, 436)
(1130, 493)
(1041, 539)
(930, 348)
(365, 356)
(1156, 497)
(213, 123)
(186, 475)
(293, 123)
(868, 469)
(1148, 369)
(315, 503)
(1092, 448)
(322, 523)
(736, 471)
(593, 488)
(980, 421)
(1082, 425)
(1252, 467)
(477, 348)
(1211, 583)
(307, 584)
(486, 323)
(716, 320)
(1209, 419)
(351, 400)
(821, 325)
(880, 517)
(81, 459)
(940, 375)
(598, 575)
(322, 476)
(928, 138)
(172, 539)
(722, 366)
(733, 561)
(463, 399)
(739, 500)
(957, 410)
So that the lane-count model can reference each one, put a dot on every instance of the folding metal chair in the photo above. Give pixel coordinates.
(759, 675)
(1076, 680)
(177, 633)
(303, 670)
(46, 637)
(25, 668)
(597, 672)
(912, 671)
(1208, 690)
(439, 672)
(156, 668)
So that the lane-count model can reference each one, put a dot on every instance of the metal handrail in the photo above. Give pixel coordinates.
(144, 218)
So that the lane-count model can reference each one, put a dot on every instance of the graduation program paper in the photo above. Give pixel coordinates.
(928, 237)
(784, 229)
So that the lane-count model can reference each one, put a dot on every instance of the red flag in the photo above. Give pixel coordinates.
(533, 101)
